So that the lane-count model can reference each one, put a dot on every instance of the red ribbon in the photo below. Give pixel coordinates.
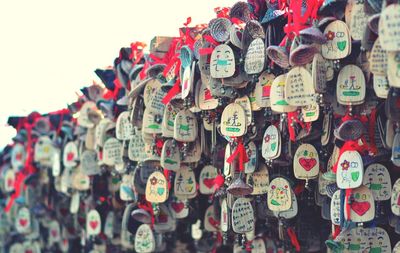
(137, 51)
(292, 119)
(172, 92)
(293, 239)
(147, 207)
(347, 203)
(239, 152)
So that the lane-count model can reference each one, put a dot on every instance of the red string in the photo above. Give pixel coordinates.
(293, 239)
(147, 207)
(239, 152)
(172, 92)
(336, 231)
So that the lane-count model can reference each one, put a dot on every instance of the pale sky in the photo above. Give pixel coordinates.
(50, 48)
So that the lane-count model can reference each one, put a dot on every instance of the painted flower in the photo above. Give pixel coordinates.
(267, 138)
(345, 165)
(330, 35)
(153, 181)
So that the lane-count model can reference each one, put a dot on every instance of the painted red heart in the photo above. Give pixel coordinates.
(209, 182)
(213, 222)
(53, 233)
(307, 163)
(18, 157)
(178, 207)
(70, 156)
(23, 222)
(207, 95)
(28, 251)
(93, 224)
(360, 208)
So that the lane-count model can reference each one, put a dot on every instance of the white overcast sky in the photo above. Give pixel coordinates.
(50, 48)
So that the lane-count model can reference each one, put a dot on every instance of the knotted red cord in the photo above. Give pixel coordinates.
(147, 207)
(239, 152)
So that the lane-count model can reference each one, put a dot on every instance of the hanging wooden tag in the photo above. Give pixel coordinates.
(156, 106)
(319, 73)
(112, 152)
(43, 150)
(74, 204)
(378, 60)
(9, 179)
(228, 167)
(326, 129)
(207, 177)
(136, 148)
(16, 248)
(18, 156)
(170, 156)
(149, 90)
(363, 205)
(358, 20)
(279, 197)
(338, 45)
(393, 68)
(350, 87)
(376, 239)
(252, 155)
(255, 57)
(168, 121)
(245, 103)
(195, 230)
(389, 27)
(306, 162)
(185, 126)
(151, 123)
(259, 180)
(54, 232)
(84, 119)
(186, 78)
(124, 127)
(224, 216)
(381, 86)
(70, 155)
(293, 210)
(258, 246)
(271, 143)
(310, 112)
(194, 153)
(377, 179)
(205, 98)
(100, 131)
(23, 221)
(396, 150)
(299, 90)
(335, 208)
(178, 207)
(89, 163)
(157, 188)
(242, 216)
(144, 239)
(93, 223)
(125, 188)
(233, 121)
(263, 89)
(349, 173)
(109, 225)
(222, 62)
(395, 198)
(211, 223)
(80, 181)
(277, 96)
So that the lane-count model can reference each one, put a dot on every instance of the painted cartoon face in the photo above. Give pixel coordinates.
(377, 179)
(222, 64)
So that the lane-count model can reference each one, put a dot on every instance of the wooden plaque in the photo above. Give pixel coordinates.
(245, 103)
(350, 170)
(124, 127)
(377, 179)
(70, 155)
(338, 45)
(389, 27)
(279, 196)
(233, 121)
(299, 89)
(144, 239)
(306, 162)
(170, 156)
(157, 188)
(222, 63)
(255, 57)
(93, 223)
(207, 177)
(242, 216)
(363, 205)
(350, 88)
(112, 152)
(263, 89)
(185, 126)
(277, 96)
